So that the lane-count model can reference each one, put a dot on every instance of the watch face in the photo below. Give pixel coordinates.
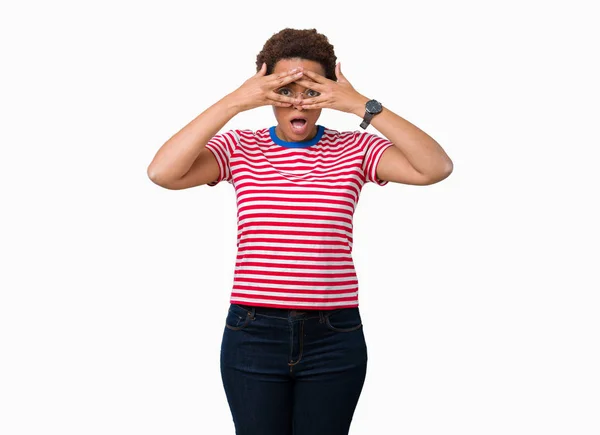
(373, 107)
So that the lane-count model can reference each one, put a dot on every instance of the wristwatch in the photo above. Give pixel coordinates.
(372, 108)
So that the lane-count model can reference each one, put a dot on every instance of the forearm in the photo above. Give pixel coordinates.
(174, 159)
(421, 150)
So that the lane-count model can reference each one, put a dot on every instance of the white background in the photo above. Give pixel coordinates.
(479, 294)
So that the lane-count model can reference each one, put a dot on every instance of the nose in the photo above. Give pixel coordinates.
(299, 97)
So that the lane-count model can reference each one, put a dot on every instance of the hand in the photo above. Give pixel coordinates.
(259, 90)
(338, 95)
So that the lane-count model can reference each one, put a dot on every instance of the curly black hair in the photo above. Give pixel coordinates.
(306, 44)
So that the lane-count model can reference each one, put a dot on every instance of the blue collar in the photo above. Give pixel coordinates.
(303, 144)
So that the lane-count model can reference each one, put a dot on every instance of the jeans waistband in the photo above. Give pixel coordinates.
(285, 313)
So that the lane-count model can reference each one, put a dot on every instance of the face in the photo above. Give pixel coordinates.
(295, 124)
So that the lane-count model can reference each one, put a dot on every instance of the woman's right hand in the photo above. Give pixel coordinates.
(259, 90)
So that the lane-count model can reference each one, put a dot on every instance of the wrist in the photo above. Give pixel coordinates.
(358, 108)
(232, 104)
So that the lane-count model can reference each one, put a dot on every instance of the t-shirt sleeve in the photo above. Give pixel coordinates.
(373, 148)
(223, 146)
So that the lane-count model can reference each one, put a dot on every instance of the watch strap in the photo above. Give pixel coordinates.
(366, 120)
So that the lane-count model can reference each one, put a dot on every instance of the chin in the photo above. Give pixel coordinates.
(299, 137)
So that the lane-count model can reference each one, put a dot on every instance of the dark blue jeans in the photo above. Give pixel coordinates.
(292, 372)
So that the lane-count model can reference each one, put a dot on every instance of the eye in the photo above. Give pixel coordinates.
(311, 93)
(284, 91)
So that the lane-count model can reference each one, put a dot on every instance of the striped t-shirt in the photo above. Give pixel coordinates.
(295, 202)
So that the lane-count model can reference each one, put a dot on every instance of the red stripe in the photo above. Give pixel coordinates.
(293, 257)
(290, 249)
(288, 224)
(316, 284)
(307, 192)
(292, 198)
(300, 216)
(295, 274)
(293, 233)
(325, 266)
(295, 291)
(291, 297)
(298, 208)
(293, 241)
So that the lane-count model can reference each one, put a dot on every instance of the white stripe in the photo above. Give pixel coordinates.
(269, 228)
(316, 192)
(254, 253)
(297, 295)
(295, 278)
(296, 287)
(312, 196)
(253, 258)
(318, 162)
(276, 177)
(251, 237)
(271, 205)
(298, 212)
(308, 154)
(343, 162)
(243, 244)
(291, 270)
(299, 221)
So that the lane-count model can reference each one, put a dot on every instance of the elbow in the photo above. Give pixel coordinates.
(449, 168)
(446, 172)
(165, 181)
(152, 174)
(156, 177)
(441, 174)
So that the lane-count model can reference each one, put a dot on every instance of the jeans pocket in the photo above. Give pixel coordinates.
(237, 318)
(343, 320)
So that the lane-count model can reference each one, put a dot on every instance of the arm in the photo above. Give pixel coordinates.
(184, 161)
(186, 149)
(415, 158)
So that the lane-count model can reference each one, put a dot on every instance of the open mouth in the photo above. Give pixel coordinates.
(299, 125)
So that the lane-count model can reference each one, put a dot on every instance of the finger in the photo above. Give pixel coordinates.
(312, 106)
(263, 70)
(314, 103)
(311, 84)
(338, 73)
(313, 100)
(284, 78)
(274, 96)
(280, 104)
(316, 77)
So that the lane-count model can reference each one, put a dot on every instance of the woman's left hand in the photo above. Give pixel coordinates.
(338, 95)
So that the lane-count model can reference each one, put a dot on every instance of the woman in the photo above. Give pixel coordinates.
(293, 355)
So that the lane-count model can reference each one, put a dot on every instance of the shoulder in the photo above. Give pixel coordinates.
(348, 138)
(335, 135)
(253, 135)
(248, 136)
